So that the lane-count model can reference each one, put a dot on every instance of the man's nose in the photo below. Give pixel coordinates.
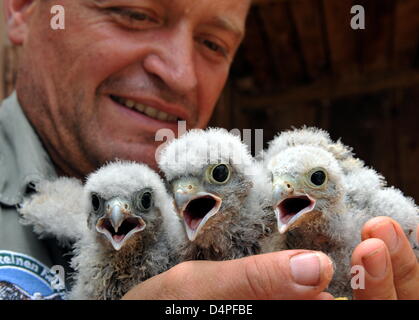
(174, 61)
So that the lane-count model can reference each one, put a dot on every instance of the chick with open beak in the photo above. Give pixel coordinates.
(132, 225)
(122, 222)
(309, 202)
(119, 221)
(306, 181)
(195, 205)
(292, 205)
(323, 196)
(220, 193)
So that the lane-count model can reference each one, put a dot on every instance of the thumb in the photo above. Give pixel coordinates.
(292, 274)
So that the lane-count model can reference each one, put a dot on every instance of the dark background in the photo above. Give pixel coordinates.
(301, 63)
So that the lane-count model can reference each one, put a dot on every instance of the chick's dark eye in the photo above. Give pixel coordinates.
(95, 202)
(220, 173)
(318, 178)
(146, 200)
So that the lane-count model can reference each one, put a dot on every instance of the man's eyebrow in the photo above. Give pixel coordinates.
(218, 21)
(227, 24)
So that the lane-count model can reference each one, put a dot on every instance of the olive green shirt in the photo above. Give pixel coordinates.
(23, 162)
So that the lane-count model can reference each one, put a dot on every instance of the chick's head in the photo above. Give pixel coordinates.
(209, 172)
(307, 184)
(311, 136)
(125, 202)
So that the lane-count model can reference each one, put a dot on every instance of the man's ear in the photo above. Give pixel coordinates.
(17, 13)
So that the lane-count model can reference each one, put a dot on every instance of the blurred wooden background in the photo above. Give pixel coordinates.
(301, 63)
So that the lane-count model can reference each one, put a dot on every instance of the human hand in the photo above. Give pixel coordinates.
(292, 274)
(391, 267)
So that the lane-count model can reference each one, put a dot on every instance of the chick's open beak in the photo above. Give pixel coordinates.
(194, 205)
(290, 206)
(119, 223)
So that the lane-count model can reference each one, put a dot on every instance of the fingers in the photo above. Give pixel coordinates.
(404, 262)
(373, 256)
(324, 296)
(293, 274)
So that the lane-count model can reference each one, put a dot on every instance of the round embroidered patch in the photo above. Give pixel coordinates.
(24, 278)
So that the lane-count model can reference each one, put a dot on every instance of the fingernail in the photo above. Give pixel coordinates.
(376, 263)
(386, 232)
(305, 269)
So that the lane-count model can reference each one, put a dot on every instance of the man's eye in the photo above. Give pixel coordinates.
(138, 16)
(132, 17)
(214, 47)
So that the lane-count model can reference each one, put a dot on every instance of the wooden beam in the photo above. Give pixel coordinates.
(309, 23)
(406, 34)
(377, 40)
(333, 88)
(342, 40)
(284, 43)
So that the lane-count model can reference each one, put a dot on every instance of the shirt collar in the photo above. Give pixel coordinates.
(23, 159)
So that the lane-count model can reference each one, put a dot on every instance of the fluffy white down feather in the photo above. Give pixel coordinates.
(307, 136)
(56, 210)
(198, 148)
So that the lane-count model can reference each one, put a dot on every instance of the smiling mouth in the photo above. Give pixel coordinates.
(145, 110)
(126, 230)
(197, 212)
(291, 209)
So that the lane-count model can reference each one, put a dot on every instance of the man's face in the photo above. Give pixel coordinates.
(121, 70)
